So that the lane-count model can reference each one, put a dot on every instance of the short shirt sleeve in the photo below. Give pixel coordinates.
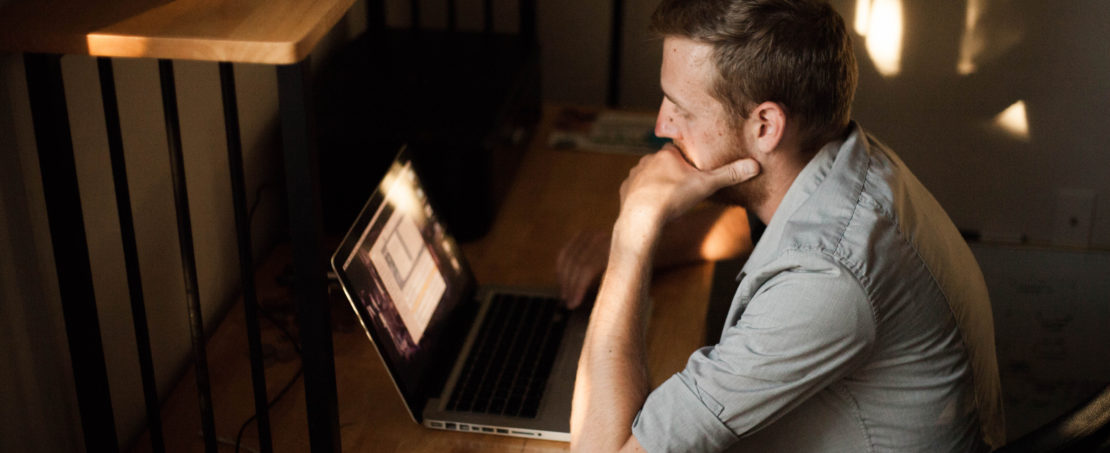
(808, 323)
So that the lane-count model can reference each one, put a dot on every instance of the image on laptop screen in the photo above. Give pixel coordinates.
(406, 276)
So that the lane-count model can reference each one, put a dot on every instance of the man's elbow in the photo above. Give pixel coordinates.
(586, 445)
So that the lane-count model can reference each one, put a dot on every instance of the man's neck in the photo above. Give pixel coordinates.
(780, 181)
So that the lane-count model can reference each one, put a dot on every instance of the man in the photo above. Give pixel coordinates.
(861, 321)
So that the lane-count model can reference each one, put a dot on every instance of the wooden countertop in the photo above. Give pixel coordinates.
(242, 31)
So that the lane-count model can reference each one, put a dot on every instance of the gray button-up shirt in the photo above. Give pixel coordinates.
(861, 323)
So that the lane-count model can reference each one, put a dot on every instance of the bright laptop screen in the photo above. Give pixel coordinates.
(405, 277)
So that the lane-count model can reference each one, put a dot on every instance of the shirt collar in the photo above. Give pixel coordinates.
(804, 185)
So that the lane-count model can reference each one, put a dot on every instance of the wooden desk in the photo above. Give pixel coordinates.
(553, 195)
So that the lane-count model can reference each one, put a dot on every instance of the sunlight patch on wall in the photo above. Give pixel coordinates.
(863, 16)
(991, 30)
(972, 42)
(880, 23)
(1014, 121)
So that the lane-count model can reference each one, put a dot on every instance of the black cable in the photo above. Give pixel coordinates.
(300, 371)
(258, 198)
(270, 317)
(243, 427)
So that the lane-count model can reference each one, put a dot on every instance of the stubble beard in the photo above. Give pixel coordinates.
(747, 194)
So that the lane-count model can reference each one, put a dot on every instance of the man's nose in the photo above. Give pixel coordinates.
(664, 121)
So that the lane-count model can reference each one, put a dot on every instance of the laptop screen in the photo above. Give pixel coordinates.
(406, 279)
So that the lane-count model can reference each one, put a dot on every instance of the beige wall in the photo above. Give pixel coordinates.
(36, 381)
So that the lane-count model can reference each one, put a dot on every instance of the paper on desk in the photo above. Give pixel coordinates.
(609, 132)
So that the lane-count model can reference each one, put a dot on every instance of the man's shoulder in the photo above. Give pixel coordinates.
(864, 198)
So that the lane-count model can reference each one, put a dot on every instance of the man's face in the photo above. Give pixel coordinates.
(694, 120)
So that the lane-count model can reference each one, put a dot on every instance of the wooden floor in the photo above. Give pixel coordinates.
(229, 373)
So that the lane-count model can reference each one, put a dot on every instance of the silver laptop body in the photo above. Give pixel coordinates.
(417, 300)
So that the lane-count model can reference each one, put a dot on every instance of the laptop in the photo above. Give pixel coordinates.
(463, 357)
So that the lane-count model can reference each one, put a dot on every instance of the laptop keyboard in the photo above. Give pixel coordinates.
(508, 366)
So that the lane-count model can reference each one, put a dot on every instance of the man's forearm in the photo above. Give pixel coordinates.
(612, 381)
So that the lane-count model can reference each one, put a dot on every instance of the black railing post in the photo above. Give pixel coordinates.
(414, 11)
(71, 249)
(188, 258)
(616, 39)
(452, 16)
(130, 252)
(528, 21)
(487, 16)
(246, 259)
(309, 263)
(375, 15)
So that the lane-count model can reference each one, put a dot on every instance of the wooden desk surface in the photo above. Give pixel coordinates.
(555, 194)
(242, 31)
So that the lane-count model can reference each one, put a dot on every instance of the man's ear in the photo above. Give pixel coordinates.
(766, 127)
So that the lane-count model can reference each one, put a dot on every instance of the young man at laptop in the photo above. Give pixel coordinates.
(861, 321)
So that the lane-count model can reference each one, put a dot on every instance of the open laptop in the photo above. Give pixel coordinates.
(463, 358)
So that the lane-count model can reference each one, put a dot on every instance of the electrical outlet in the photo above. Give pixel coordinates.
(1073, 217)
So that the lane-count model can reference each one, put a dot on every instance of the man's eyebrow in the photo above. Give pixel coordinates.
(673, 101)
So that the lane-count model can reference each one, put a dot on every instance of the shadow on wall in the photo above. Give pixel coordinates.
(1050, 314)
(999, 106)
